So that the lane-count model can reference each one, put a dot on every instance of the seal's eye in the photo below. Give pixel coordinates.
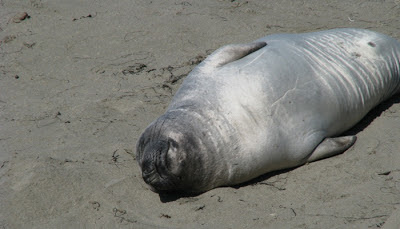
(173, 157)
(172, 143)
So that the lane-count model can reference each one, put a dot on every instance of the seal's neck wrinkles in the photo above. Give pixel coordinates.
(214, 137)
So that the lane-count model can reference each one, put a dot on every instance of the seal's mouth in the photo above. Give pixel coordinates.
(157, 183)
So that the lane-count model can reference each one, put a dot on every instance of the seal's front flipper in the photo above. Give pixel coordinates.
(230, 53)
(332, 146)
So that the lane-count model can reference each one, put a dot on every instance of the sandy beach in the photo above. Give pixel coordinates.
(80, 80)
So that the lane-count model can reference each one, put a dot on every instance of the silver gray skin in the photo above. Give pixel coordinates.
(275, 103)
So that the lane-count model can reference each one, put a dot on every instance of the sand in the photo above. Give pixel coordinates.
(80, 80)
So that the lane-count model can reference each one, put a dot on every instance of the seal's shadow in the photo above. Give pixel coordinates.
(376, 112)
(166, 197)
(360, 126)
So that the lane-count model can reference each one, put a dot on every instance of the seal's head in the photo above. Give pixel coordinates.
(172, 155)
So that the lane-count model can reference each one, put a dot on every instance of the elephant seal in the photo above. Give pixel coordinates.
(278, 102)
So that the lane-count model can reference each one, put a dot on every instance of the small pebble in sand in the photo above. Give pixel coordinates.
(20, 17)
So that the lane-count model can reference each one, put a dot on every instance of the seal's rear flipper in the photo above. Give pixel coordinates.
(230, 53)
(332, 146)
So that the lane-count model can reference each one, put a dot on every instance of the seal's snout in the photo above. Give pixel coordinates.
(155, 167)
